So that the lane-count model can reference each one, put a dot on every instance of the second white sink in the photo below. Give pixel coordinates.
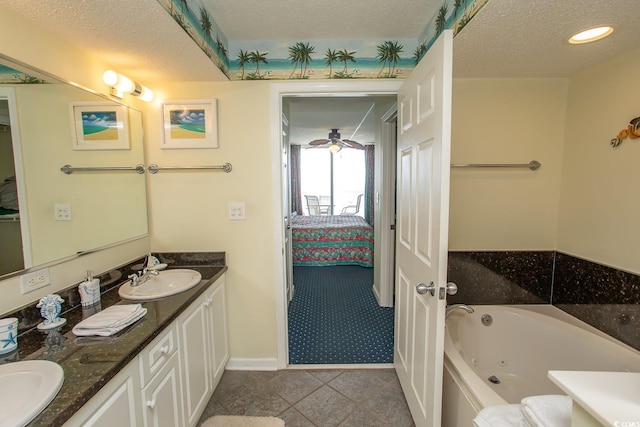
(27, 388)
(166, 283)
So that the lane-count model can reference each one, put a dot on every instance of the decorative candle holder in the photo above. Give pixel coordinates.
(50, 308)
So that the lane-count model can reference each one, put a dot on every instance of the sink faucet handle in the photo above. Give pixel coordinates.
(134, 279)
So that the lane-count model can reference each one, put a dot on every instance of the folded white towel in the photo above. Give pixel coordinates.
(500, 416)
(547, 411)
(110, 321)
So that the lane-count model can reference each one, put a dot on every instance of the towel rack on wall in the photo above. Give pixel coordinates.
(153, 168)
(533, 165)
(68, 169)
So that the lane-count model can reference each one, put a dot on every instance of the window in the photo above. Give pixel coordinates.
(337, 179)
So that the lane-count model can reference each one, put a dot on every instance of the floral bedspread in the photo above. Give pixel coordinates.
(331, 240)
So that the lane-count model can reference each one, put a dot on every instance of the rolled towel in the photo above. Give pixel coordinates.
(500, 416)
(547, 411)
(110, 321)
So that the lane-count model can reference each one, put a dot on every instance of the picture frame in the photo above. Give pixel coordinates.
(99, 126)
(190, 124)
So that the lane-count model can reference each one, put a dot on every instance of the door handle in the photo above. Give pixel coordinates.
(452, 288)
(423, 289)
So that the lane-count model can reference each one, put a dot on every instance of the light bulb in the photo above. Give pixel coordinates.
(110, 77)
(334, 148)
(146, 94)
(125, 84)
(590, 35)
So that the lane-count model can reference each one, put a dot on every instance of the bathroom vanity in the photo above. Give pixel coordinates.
(161, 371)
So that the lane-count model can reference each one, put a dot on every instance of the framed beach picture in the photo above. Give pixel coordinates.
(190, 124)
(99, 126)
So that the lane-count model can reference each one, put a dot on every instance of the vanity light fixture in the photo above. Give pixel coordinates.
(591, 35)
(121, 84)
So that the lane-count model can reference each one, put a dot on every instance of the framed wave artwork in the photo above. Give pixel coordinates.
(190, 124)
(99, 126)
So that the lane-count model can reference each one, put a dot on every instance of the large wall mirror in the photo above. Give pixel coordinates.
(45, 214)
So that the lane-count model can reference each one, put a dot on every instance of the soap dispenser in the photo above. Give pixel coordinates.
(89, 290)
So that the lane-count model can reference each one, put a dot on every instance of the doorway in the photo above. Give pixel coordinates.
(337, 176)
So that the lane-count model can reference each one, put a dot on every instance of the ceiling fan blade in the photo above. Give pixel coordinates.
(319, 142)
(353, 144)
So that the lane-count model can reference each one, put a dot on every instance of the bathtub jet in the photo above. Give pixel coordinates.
(453, 307)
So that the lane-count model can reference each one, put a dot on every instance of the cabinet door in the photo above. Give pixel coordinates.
(116, 404)
(218, 323)
(161, 397)
(194, 338)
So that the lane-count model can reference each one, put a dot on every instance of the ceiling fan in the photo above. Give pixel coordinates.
(336, 142)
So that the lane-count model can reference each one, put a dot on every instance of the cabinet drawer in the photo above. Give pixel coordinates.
(156, 354)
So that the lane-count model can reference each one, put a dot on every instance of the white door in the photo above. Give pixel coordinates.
(424, 145)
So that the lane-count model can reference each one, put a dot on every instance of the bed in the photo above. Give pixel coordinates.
(324, 240)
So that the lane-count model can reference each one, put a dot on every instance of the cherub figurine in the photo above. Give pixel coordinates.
(50, 308)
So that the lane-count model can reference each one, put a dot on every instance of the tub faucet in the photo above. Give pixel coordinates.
(453, 307)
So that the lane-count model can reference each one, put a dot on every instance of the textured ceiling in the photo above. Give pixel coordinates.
(517, 38)
(323, 19)
(137, 37)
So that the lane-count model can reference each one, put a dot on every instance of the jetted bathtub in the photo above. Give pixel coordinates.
(506, 357)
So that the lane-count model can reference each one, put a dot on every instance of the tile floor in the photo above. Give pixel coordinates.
(323, 398)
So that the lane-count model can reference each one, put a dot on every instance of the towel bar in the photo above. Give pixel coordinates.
(68, 169)
(153, 168)
(533, 165)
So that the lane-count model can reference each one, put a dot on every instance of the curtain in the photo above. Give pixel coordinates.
(296, 193)
(369, 183)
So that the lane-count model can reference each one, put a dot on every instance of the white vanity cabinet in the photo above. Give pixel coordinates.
(171, 380)
(116, 404)
(160, 381)
(203, 349)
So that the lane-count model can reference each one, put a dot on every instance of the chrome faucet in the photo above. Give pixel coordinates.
(142, 276)
(453, 307)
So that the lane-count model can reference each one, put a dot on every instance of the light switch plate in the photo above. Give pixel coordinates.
(236, 210)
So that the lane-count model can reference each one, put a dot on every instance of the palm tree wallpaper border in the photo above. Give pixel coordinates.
(316, 59)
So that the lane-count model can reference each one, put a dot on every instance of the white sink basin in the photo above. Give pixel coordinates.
(27, 388)
(166, 283)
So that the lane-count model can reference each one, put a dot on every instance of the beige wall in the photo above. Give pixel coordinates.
(189, 209)
(600, 202)
(506, 121)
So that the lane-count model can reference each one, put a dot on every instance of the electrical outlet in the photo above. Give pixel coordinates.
(35, 280)
(62, 211)
(236, 210)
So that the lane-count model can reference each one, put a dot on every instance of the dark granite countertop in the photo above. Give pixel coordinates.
(90, 362)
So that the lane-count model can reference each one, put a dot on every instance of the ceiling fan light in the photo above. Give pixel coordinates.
(334, 148)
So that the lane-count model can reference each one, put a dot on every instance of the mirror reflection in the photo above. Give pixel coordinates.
(46, 215)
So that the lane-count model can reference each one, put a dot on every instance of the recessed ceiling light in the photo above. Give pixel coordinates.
(590, 35)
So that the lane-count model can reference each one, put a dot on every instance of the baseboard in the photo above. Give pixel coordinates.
(241, 364)
(377, 295)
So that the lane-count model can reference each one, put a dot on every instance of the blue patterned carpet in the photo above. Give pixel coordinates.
(334, 318)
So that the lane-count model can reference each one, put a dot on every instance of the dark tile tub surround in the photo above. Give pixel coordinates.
(89, 362)
(604, 297)
(501, 277)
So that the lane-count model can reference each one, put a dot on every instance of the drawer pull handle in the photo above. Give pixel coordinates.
(164, 349)
(151, 404)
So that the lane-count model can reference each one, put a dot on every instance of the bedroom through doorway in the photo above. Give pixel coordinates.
(334, 153)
